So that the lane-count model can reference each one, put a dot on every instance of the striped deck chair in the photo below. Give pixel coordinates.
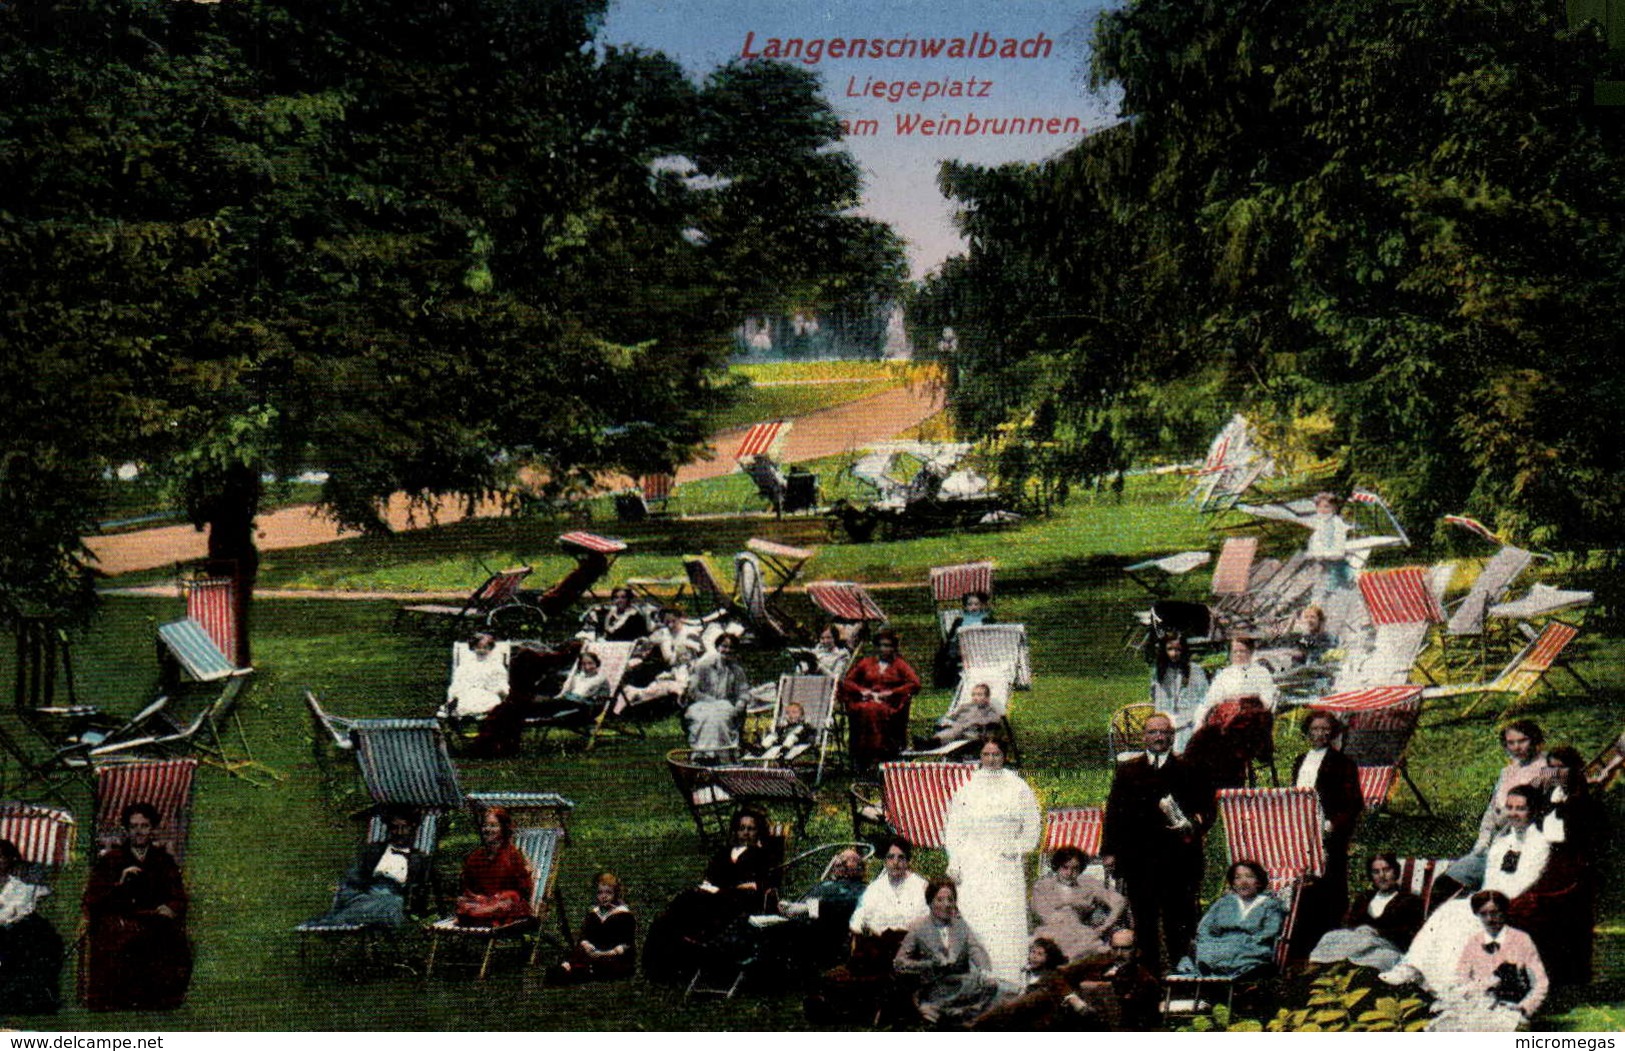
(498, 590)
(613, 660)
(1379, 723)
(594, 555)
(1082, 827)
(950, 585)
(405, 762)
(212, 602)
(762, 439)
(190, 648)
(996, 655)
(540, 821)
(165, 783)
(705, 583)
(768, 622)
(782, 563)
(912, 800)
(649, 497)
(43, 835)
(1522, 675)
(849, 605)
(1280, 828)
(713, 793)
(816, 695)
(1417, 875)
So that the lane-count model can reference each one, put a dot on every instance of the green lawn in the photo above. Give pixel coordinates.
(265, 858)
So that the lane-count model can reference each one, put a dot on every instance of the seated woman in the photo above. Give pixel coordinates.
(1236, 938)
(1516, 858)
(137, 956)
(533, 671)
(479, 680)
(604, 952)
(955, 980)
(583, 692)
(1559, 910)
(975, 609)
(30, 948)
(1178, 687)
(884, 913)
(620, 621)
(735, 882)
(1499, 980)
(497, 882)
(718, 694)
(876, 695)
(659, 652)
(1075, 911)
(386, 875)
(829, 657)
(1380, 924)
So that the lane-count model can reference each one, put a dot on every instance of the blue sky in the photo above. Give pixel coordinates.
(900, 170)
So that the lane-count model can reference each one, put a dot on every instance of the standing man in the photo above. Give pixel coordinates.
(1158, 811)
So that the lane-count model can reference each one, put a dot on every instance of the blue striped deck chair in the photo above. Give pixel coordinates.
(539, 832)
(195, 652)
(406, 762)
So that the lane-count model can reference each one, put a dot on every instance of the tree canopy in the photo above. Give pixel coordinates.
(1397, 220)
(423, 247)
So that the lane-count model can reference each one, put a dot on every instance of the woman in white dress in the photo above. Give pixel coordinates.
(992, 825)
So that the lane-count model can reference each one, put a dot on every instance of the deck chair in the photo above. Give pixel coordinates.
(1542, 600)
(215, 734)
(1469, 614)
(1417, 875)
(405, 762)
(649, 498)
(44, 839)
(1232, 574)
(782, 563)
(1522, 675)
(540, 822)
(1280, 828)
(816, 695)
(1156, 574)
(1082, 827)
(911, 800)
(1379, 722)
(767, 621)
(997, 655)
(183, 646)
(849, 606)
(705, 583)
(613, 659)
(950, 585)
(1605, 768)
(1125, 732)
(165, 783)
(498, 590)
(713, 793)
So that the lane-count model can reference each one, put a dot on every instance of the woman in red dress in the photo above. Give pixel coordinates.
(497, 881)
(137, 956)
(876, 694)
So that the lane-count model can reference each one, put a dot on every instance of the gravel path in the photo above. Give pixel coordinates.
(827, 432)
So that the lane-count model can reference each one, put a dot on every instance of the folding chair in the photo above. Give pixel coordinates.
(43, 835)
(1379, 723)
(756, 456)
(405, 762)
(613, 659)
(849, 605)
(950, 585)
(816, 695)
(539, 832)
(1280, 828)
(498, 590)
(1082, 827)
(1167, 567)
(713, 793)
(1125, 732)
(994, 654)
(206, 735)
(186, 647)
(1403, 607)
(782, 562)
(1522, 675)
(767, 622)
(1232, 574)
(164, 783)
(1418, 875)
(1469, 614)
(1542, 600)
(649, 498)
(705, 583)
(911, 800)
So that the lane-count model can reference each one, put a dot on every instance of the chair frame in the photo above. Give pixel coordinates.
(499, 589)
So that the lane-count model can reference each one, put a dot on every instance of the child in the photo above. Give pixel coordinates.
(790, 738)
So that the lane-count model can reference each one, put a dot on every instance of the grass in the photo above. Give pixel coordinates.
(264, 859)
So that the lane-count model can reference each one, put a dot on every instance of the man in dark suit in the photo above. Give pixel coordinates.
(387, 879)
(1157, 813)
(1336, 780)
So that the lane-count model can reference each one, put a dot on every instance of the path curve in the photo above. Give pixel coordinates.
(827, 432)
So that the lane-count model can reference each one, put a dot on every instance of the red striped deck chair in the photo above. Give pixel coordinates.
(498, 590)
(658, 491)
(705, 583)
(540, 820)
(165, 783)
(915, 797)
(1379, 724)
(950, 585)
(1400, 596)
(1417, 875)
(1082, 827)
(782, 563)
(1604, 770)
(849, 605)
(44, 837)
(762, 439)
(1280, 828)
(1522, 674)
(212, 602)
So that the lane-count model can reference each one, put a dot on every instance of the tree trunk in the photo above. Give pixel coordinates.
(230, 517)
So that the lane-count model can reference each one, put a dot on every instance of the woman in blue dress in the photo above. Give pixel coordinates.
(1236, 938)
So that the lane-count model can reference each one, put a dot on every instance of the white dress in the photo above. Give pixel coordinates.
(992, 825)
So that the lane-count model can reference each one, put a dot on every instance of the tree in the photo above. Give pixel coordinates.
(424, 247)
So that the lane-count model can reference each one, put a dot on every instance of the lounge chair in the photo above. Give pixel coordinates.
(649, 498)
(212, 602)
(44, 836)
(1082, 827)
(165, 783)
(994, 654)
(1125, 732)
(498, 590)
(1522, 674)
(1604, 770)
(950, 585)
(539, 832)
(1380, 722)
(816, 695)
(405, 762)
(1156, 574)
(1232, 575)
(910, 800)
(766, 620)
(849, 605)
(1542, 600)
(713, 793)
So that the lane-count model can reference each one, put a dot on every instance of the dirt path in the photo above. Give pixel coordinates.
(827, 432)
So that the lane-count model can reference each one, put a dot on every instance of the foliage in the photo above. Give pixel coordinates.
(1402, 219)
(1346, 999)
